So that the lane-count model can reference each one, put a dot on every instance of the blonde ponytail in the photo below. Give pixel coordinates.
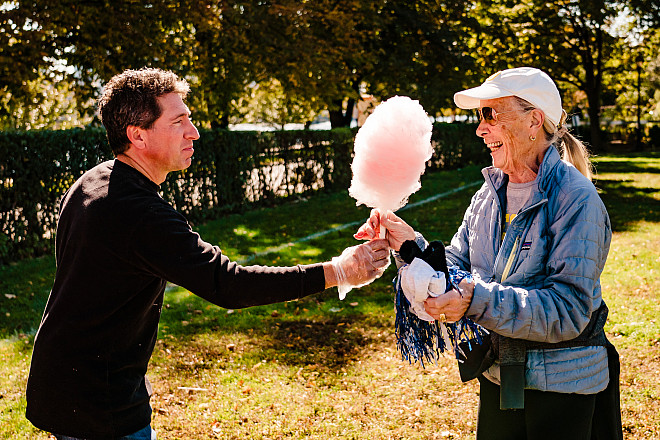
(571, 149)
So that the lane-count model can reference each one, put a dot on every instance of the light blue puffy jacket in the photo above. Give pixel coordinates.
(542, 281)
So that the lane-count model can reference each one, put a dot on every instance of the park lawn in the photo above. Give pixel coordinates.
(322, 368)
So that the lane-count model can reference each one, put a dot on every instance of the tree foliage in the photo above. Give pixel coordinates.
(312, 55)
(569, 39)
(88, 41)
(424, 50)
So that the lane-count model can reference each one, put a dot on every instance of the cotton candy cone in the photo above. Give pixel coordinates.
(391, 151)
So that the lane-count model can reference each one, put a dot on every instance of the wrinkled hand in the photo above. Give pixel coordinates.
(398, 230)
(451, 306)
(359, 265)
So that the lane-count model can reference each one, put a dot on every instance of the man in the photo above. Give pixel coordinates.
(118, 243)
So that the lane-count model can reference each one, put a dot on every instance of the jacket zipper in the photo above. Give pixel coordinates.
(514, 249)
(510, 260)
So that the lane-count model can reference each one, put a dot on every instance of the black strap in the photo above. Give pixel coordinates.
(512, 354)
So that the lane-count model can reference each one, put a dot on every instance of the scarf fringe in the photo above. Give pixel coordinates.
(422, 341)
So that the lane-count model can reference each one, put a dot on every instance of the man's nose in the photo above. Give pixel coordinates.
(192, 132)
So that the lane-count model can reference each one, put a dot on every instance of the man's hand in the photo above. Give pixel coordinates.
(357, 266)
(398, 230)
(451, 306)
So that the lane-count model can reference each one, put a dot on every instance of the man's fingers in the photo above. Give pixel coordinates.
(378, 252)
(379, 244)
(375, 253)
(380, 263)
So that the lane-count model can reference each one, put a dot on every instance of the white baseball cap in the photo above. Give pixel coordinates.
(532, 85)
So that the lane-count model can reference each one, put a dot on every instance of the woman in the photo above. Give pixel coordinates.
(536, 237)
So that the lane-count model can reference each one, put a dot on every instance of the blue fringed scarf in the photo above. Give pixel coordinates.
(422, 341)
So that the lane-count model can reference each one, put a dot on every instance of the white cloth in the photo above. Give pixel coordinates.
(420, 281)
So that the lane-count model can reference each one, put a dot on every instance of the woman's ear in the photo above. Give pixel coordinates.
(537, 119)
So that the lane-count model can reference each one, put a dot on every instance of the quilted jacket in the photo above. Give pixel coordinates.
(541, 282)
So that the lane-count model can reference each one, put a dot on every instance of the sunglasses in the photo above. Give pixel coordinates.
(489, 114)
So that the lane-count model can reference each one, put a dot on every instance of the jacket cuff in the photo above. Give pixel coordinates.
(313, 279)
(480, 299)
(421, 242)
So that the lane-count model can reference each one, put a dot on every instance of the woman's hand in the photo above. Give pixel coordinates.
(451, 306)
(398, 230)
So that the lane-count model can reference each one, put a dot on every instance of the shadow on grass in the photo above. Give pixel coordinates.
(24, 289)
(627, 199)
(628, 204)
(327, 344)
(317, 330)
(604, 166)
(330, 344)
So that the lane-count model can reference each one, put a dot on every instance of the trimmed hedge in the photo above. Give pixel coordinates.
(230, 171)
(36, 168)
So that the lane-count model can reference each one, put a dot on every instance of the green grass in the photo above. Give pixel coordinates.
(322, 368)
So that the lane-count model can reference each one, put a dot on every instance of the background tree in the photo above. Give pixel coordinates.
(91, 40)
(647, 11)
(316, 50)
(223, 62)
(329, 52)
(24, 46)
(316, 55)
(569, 39)
(653, 76)
(44, 102)
(424, 52)
(269, 103)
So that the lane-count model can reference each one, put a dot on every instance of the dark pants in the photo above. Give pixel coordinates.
(143, 434)
(547, 415)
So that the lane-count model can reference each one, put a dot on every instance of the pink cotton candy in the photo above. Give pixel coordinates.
(391, 151)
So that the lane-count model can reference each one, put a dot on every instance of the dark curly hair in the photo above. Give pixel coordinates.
(130, 98)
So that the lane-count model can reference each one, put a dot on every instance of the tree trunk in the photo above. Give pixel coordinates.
(592, 62)
(594, 124)
(592, 89)
(339, 117)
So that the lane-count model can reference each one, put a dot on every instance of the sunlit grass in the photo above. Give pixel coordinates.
(320, 368)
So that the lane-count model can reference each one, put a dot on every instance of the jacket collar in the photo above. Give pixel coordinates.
(550, 160)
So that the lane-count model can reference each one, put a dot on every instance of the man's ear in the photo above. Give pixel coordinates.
(135, 136)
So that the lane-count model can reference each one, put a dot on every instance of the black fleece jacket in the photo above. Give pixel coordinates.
(117, 244)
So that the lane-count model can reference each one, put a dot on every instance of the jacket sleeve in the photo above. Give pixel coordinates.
(566, 284)
(167, 247)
